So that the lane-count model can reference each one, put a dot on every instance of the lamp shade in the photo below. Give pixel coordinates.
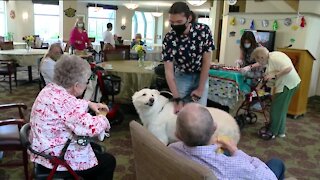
(131, 6)
(197, 2)
(156, 14)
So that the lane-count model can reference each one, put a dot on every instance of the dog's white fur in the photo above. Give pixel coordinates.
(159, 119)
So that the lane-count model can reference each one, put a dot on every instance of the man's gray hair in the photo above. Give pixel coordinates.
(71, 69)
(195, 125)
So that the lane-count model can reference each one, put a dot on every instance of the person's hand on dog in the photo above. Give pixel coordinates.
(99, 108)
(226, 143)
(177, 106)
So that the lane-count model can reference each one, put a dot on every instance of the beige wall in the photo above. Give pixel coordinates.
(275, 6)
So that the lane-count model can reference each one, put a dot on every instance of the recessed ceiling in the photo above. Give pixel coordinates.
(152, 5)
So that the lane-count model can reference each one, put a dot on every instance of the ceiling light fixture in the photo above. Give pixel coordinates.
(131, 5)
(197, 2)
(157, 13)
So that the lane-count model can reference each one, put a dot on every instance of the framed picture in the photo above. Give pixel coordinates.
(82, 16)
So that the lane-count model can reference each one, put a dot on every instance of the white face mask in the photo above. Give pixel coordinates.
(247, 45)
(80, 25)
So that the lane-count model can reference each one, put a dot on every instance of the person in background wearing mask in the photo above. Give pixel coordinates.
(49, 61)
(186, 53)
(79, 38)
(108, 38)
(137, 40)
(249, 66)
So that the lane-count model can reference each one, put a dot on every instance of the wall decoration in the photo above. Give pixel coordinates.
(303, 22)
(242, 21)
(287, 22)
(232, 34)
(252, 25)
(233, 21)
(70, 12)
(242, 31)
(292, 40)
(232, 2)
(295, 27)
(265, 23)
(12, 14)
(275, 25)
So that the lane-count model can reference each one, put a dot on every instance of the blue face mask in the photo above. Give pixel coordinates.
(247, 45)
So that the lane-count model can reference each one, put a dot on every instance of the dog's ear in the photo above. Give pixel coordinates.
(155, 91)
(135, 96)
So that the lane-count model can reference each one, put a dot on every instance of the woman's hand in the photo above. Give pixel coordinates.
(245, 69)
(99, 108)
(238, 63)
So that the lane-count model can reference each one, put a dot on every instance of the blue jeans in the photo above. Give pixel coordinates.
(188, 82)
(277, 167)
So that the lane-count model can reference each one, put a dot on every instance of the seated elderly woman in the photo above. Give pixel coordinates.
(49, 61)
(57, 115)
(137, 40)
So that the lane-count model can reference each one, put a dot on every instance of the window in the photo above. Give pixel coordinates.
(98, 20)
(2, 19)
(46, 21)
(146, 26)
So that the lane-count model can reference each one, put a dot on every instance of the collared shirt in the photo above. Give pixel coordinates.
(47, 69)
(238, 166)
(186, 51)
(276, 63)
(55, 116)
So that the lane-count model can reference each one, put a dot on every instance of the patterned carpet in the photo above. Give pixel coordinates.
(300, 149)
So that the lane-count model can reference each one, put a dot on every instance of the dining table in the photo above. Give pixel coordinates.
(133, 77)
(24, 57)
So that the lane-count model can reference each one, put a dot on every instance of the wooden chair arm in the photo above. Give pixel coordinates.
(19, 122)
(20, 106)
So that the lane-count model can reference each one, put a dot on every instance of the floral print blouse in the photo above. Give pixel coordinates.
(56, 116)
(186, 51)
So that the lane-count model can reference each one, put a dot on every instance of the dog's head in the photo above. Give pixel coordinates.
(145, 98)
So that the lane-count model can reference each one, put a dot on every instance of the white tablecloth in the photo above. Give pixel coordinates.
(22, 56)
(96, 46)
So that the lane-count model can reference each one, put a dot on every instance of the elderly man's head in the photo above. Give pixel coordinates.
(55, 51)
(261, 55)
(72, 73)
(195, 125)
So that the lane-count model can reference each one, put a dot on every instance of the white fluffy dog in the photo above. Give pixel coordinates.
(156, 114)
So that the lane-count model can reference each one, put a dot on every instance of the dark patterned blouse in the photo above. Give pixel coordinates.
(186, 51)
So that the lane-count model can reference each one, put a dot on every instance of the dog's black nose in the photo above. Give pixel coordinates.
(151, 100)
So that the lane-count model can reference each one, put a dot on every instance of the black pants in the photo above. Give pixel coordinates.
(104, 170)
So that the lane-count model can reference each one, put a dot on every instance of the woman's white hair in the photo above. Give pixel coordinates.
(260, 52)
(71, 69)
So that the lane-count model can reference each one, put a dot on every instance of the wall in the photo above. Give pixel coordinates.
(275, 6)
(123, 12)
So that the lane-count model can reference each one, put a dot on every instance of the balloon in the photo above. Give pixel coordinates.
(252, 25)
(275, 25)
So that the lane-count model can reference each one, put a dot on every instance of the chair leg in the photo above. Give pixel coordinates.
(10, 83)
(15, 78)
(25, 164)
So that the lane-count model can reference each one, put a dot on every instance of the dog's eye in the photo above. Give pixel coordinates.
(144, 94)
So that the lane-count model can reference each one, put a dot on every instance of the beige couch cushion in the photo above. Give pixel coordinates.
(153, 160)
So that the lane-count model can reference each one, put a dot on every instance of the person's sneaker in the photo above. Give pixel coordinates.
(273, 137)
(282, 135)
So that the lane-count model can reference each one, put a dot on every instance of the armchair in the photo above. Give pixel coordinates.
(8, 68)
(10, 138)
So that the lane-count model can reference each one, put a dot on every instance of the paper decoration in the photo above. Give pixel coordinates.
(232, 34)
(242, 31)
(294, 27)
(292, 40)
(275, 25)
(265, 23)
(287, 22)
(303, 22)
(242, 21)
(233, 21)
(252, 25)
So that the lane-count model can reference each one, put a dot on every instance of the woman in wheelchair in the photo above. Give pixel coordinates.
(57, 114)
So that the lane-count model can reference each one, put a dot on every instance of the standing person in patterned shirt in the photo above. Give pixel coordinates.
(57, 114)
(195, 128)
(187, 55)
